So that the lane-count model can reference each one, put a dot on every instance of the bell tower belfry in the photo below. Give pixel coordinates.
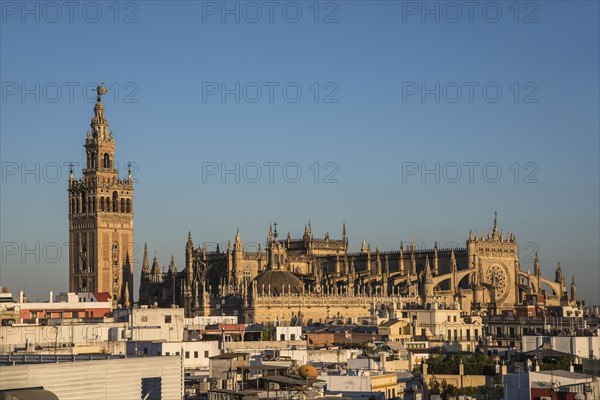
(101, 218)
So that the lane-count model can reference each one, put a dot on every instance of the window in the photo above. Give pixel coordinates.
(145, 318)
(449, 334)
(422, 331)
(448, 318)
(468, 334)
(476, 333)
(293, 336)
(176, 353)
(455, 318)
(167, 319)
(195, 354)
(282, 336)
(187, 354)
(167, 353)
(151, 388)
(205, 353)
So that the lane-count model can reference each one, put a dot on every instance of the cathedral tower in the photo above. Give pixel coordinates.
(101, 218)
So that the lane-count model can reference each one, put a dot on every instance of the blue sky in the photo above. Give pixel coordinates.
(379, 103)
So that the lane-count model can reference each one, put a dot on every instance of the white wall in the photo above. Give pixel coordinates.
(98, 380)
(581, 346)
(288, 333)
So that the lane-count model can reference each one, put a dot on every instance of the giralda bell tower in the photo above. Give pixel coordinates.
(101, 218)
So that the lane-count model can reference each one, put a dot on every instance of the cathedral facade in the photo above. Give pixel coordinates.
(311, 279)
(101, 218)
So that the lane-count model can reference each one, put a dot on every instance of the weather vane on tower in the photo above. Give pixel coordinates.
(101, 89)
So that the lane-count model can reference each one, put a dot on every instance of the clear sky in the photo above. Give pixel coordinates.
(405, 120)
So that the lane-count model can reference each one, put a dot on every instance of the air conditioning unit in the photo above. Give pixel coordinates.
(273, 386)
(545, 398)
(229, 384)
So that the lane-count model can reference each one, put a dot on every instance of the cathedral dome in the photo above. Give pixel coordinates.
(279, 281)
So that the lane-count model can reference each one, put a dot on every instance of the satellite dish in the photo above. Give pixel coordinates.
(579, 396)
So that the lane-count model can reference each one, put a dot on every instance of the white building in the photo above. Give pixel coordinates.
(195, 354)
(525, 384)
(106, 379)
(579, 346)
(286, 333)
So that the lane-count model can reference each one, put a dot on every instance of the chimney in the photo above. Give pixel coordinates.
(51, 300)
(21, 295)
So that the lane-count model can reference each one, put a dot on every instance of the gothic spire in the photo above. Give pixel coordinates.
(155, 267)
(495, 232)
(127, 303)
(99, 123)
(559, 276)
(428, 275)
(172, 268)
(145, 266)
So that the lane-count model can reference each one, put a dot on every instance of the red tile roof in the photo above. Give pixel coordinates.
(101, 296)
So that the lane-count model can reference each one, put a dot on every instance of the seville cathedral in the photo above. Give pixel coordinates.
(302, 280)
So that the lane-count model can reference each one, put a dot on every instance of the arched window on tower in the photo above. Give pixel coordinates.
(101, 203)
(93, 160)
(115, 202)
(72, 205)
(122, 205)
(128, 205)
(83, 285)
(83, 202)
(106, 161)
